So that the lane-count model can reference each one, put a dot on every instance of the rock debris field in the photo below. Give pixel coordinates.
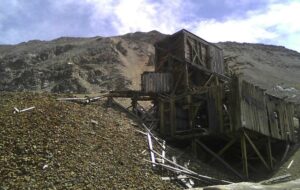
(65, 145)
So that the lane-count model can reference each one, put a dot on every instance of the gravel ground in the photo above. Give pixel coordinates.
(65, 145)
(58, 146)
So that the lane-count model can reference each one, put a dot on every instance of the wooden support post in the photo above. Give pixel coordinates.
(269, 150)
(190, 111)
(220, 159)
(172, 115)
(209, 80)
(244, 155)
(134, 105)
(228, 145)
(177, 83)
(109, 101)
(256, 150)
(194, 147)
(162, 114)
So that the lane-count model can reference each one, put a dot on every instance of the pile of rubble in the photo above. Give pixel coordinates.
(59, 145)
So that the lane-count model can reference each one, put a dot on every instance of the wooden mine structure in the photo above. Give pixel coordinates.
(234, 121)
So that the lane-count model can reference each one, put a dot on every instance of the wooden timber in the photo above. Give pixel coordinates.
(196, 101)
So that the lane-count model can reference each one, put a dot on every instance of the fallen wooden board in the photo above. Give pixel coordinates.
(295, 185)
(278, 179)
(151, 149)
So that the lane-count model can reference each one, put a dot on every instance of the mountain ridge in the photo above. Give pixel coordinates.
(93, 64)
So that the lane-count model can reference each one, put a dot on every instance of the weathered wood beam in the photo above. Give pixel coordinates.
(209, 80)
(228, 145)
(269, 150)
(244, 155)
(172, 115)
(256, 150)
(220, 159)
(177, 82)
(162, 118)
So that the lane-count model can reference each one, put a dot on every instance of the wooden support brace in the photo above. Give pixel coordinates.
(256, 150)
(177, 82)
(228, 145)
(209, 80)
(220, 159)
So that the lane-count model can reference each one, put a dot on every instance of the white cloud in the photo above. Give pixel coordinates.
(278, 24)
(143, 15)
(140, 15)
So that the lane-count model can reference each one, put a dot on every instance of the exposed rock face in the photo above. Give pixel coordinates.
(89, 65)
(78, 65)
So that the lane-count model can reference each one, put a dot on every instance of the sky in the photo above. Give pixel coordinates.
(254, 21)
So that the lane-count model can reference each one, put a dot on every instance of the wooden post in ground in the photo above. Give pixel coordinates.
(228, 145)
(256, 151)
(244, 155)
(220, 159)
(162, 123)
(269, 150)
(172, 115)
(134, 105)
(194, 147)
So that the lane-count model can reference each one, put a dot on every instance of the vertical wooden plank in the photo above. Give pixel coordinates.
(162, 113)
(194, 147)
(269, 151)
(244, 155)
(190, 111)
(172, 115)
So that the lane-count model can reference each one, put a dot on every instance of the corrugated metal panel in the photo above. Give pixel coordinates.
(153, 82)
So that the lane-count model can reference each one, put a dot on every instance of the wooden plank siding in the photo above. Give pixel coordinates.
(255, 110)
(215, 108)
(188, 47)
(281, 115)
(153, 82)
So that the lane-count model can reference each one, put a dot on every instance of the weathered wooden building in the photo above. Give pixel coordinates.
(205, 106)
(224, 116)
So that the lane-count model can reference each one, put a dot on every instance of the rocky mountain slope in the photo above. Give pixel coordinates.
(79, 65)
(90, 65)
(273, 68)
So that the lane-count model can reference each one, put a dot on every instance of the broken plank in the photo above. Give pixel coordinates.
(151, 149)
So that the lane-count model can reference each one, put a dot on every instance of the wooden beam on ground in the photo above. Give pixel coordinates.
(278, 179)
(256, 150)
(220, 159)
(151, 149)
(188, 171)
